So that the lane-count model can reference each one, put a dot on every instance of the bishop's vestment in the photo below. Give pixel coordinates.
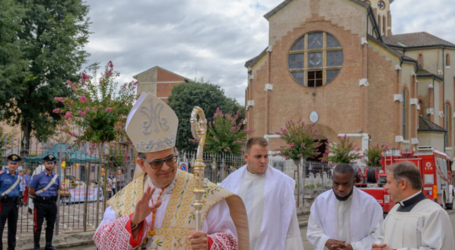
(224, 217)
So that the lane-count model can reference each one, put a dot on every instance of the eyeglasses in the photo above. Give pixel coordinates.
(157, 164)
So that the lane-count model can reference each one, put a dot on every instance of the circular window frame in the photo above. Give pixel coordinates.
(319, 74)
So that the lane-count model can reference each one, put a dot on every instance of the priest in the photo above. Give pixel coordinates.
(344, 217)
(269, 199)
(155, 210)
(415, 222)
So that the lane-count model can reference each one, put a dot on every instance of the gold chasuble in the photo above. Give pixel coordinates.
(179, 219)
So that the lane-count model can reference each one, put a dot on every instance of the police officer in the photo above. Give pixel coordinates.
(9, 199)
(45, 187)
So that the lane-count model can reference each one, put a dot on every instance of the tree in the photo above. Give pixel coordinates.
(100, 107)
(53, 33)
(12, 63)
(374, 154)
(225, 134)
(343, 152)
(203, 94)
(300, 140)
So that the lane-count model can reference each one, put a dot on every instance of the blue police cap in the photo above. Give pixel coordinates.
(49, 158)
(14, 158)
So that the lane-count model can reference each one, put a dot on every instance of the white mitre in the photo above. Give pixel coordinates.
(151, 126)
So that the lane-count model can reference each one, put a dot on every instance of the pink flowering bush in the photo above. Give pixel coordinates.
(300, 139)
(374, 154)
(342, 152)
(99, 106)
(226, 134)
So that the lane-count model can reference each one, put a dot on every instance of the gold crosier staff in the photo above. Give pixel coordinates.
(198, 129)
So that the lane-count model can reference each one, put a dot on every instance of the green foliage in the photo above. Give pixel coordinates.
(225, 134)
(51, 36)
(300, 139)
(203, 94)
(343, 152)
(373, 155)
(98, 106)
(12, 62)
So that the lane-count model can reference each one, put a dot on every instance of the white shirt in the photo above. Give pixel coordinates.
(270, 204)
(357, 220)
(427, 226)
(318, 238)
(252, 193)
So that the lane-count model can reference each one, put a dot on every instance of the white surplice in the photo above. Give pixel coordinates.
(427, 226)
(218, 219)
(357, 221)
(270, 204)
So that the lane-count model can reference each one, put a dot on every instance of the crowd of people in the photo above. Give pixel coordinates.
(253, 208)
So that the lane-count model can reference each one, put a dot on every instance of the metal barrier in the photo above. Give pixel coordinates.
(83, 174)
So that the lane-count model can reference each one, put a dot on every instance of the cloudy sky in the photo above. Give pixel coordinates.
(214, 38)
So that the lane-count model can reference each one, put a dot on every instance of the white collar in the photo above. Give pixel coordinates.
(410, 197)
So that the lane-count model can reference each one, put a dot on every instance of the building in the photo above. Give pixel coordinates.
(336, 63)
(158, 81)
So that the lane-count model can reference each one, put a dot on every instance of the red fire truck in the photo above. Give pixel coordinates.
(435, 169)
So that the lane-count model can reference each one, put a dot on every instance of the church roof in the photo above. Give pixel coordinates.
(286, 2)
(391, 50)
(419, 39)
(427, 125)
(421, 72)
(254, 60)
(158, 67)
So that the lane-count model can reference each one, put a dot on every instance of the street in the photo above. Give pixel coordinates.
(308, 246)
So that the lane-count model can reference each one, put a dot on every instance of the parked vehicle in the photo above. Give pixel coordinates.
(435, 171)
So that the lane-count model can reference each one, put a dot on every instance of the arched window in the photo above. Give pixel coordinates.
(379, 24)
(315, 59)
(420, 61)
(383, 25)
(448, 125)
(421, 107)
(404, 116)
(447, 59)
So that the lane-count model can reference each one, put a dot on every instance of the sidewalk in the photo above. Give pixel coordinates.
(83, 240)
(73, 241)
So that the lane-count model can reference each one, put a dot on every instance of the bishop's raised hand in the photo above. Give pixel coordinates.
(143, 209)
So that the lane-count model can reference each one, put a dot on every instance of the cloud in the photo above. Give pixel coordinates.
(213, 39)
(435, 17)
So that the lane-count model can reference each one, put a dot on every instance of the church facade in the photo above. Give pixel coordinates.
(337, 65)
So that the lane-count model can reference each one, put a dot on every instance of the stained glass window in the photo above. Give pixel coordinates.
(315, 59)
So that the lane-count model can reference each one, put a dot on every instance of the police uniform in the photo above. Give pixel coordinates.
(9, 202)
(45, 204)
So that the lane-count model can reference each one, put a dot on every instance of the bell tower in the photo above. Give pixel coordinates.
(381, 9)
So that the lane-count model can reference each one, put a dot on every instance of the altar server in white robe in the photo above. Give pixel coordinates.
(344, 217)
(268, 195)
(415, 222)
